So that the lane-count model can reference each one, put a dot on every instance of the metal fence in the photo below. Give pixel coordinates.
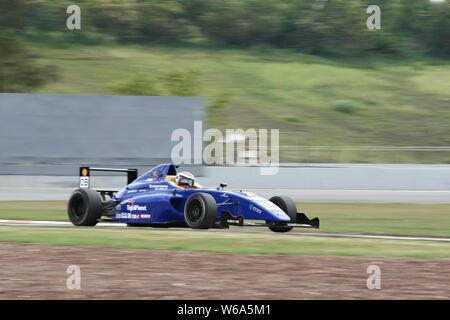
(295, 148)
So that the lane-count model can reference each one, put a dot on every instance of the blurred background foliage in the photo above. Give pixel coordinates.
(299, 65)
(337, 28)
(179, 84)
(18, 71)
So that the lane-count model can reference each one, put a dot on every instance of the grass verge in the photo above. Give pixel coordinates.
(367, 101)
(223, 241)
(403, 219)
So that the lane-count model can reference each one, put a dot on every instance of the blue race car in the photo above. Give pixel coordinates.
(160, 198)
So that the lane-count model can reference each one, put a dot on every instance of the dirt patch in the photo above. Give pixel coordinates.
(38, 271)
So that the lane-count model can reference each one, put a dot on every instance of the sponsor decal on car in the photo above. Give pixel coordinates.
(266, 204)
(131, 206)
(134, 216)
(158, 187)
(257, 210)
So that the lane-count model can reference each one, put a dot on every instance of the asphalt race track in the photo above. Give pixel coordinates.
(301, 195)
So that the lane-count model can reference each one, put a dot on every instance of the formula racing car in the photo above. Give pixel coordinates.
(163, 198)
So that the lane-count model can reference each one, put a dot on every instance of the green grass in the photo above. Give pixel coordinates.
(358, 101)
(403, 219)
(223, 241)
(34, 210)
(414, 219)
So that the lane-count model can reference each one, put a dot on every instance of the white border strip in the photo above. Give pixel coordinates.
(52, 223)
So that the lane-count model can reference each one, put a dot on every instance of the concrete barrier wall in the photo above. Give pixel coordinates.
(54, 134)
(51, 135)
(336, 176)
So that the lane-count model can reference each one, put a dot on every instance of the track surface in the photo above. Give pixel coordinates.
(232, 229)
(302, 195)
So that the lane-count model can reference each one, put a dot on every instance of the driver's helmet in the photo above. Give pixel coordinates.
(185, 179)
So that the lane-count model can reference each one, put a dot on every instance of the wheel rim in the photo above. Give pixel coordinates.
(195, 211)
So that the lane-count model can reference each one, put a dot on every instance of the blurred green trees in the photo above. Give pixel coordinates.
(185, 83)
(18, 70)
(138, 85)
(339, 27)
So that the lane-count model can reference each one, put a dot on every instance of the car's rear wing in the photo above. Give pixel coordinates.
(85, 175)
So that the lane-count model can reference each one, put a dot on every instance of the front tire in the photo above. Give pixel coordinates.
(85, 207)
(200, 211)
(288, 206)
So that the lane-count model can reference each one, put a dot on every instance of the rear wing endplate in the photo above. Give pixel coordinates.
(85, 175)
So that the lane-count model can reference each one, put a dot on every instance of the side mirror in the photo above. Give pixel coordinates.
(223, 185)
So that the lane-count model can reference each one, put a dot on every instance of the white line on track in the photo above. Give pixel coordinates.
(345, 235)
(36, 223)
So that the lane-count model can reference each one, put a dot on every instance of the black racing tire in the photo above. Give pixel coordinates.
(200, 211)
(85, 207)
(286, 204)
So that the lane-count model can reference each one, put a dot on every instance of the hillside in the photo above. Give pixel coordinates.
(364, 101)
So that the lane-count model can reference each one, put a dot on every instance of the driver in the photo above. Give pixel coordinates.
(185, 179)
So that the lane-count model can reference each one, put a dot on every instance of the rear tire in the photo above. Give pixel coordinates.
(288, 206)
(200, 211)
(85, 207)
